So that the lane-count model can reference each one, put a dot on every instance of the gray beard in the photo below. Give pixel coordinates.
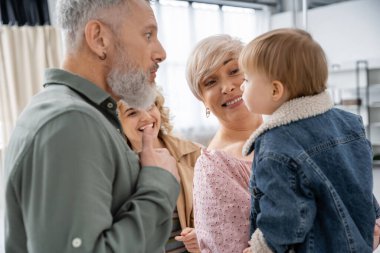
(129, 82)
(132, 86)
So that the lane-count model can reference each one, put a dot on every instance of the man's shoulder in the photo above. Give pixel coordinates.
(51, 112)
(59, 101)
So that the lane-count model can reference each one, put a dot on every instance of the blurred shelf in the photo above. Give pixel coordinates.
(355, 87)
(375, 124)
(376, 164)
(375, 105)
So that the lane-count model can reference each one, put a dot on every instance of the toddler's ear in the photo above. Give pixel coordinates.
(279, 92)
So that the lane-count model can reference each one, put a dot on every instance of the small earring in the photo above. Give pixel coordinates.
(103, 57)
(207, 112)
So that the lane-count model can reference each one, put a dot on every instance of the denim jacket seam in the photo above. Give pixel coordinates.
(293, 173)
(283, 159)
(337, 205)
(331, 143)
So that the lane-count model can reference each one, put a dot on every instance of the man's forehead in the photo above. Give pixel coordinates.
(143, 11)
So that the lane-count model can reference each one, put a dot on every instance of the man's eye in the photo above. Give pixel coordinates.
(148, 35)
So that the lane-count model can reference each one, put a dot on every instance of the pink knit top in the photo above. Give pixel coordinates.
(221, 202)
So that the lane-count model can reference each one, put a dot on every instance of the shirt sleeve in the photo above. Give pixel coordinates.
(287, 206)
(66, 191)
(220, 209)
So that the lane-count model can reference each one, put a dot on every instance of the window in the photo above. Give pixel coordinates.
(181, 26)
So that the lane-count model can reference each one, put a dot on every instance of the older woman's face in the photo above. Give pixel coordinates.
(221, 92)
(134, 121)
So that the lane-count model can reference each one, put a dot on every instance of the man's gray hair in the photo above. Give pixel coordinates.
(72, 16)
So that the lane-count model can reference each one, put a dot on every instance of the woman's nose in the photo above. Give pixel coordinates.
(145, 116)
(228, 87)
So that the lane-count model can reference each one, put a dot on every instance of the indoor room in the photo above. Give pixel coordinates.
(32, 40)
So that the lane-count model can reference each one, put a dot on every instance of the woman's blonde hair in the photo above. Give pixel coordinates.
(166, 126)
(207, 57)
(290, 56)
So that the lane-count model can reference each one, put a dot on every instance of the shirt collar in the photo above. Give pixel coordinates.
(80, 85)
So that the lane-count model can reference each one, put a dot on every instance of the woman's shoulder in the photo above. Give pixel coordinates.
(212, 159)
(216, 167)
(179, 147)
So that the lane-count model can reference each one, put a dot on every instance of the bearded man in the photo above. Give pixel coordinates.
(74, 185)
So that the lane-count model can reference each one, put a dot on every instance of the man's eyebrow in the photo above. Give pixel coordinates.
(151, 26)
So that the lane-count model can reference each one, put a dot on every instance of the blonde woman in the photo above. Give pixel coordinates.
(134, 121)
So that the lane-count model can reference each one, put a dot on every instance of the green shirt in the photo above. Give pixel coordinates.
(74, 184)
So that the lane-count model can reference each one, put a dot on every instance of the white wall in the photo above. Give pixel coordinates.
(347, 31)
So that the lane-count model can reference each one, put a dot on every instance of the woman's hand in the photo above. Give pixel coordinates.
(189, 238)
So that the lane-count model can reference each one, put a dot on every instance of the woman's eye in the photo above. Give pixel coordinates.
(234, 71)
(131, 113)
(209, 83)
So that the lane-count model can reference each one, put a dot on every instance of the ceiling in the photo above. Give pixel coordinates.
(280, 5)
(276, 6)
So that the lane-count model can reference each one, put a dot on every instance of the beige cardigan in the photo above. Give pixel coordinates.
(186, 154)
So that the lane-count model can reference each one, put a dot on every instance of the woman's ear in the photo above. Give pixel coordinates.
(98, 38)
(279, 91)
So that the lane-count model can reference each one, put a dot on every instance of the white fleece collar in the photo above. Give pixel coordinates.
(292, 110)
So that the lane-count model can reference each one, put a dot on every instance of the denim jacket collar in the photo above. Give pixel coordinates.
(291, 111)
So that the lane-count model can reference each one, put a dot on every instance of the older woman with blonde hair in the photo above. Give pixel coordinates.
(221, 179)
(134, 121)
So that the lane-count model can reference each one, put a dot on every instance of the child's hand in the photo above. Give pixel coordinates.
(189, 238)
(376, 234)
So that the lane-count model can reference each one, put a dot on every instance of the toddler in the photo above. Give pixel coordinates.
(312, 171)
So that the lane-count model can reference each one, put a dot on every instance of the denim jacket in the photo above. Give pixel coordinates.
(311, 182)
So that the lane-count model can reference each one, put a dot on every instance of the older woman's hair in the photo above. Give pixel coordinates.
(290, 56)
(73, 15)
(207, 57)
(166, 126)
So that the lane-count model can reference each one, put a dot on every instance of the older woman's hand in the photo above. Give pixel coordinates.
(189, 238)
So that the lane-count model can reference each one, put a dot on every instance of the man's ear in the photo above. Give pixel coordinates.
(279, 91)
(98, 37)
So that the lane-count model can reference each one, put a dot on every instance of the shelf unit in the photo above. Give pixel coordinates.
(356, 89)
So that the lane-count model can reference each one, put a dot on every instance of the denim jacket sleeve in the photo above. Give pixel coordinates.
(287, 206)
